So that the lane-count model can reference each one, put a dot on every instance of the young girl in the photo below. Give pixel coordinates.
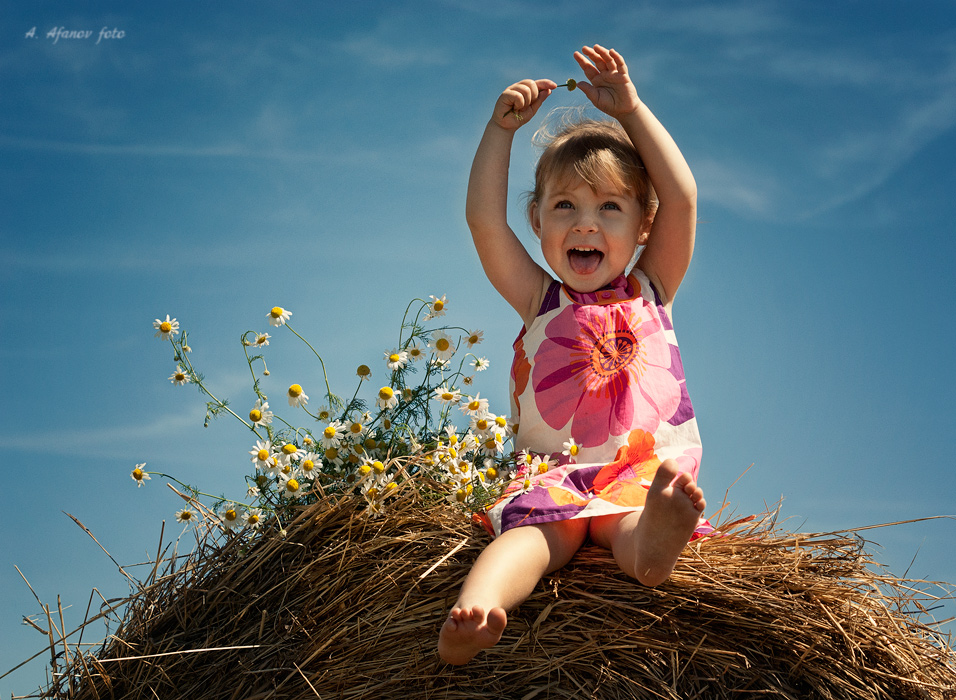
(597, 376)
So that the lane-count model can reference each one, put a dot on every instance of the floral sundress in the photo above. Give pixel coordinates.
(604, 369)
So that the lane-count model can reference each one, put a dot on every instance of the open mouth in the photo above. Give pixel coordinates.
(584, 261)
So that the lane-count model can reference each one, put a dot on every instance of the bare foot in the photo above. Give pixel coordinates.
(671, 512)
(467, 631)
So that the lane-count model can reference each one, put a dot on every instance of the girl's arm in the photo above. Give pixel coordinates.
(512, 271)
(671, 243)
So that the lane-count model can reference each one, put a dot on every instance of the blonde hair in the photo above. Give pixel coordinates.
(596, 151)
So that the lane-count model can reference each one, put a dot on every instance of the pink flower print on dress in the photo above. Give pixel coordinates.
(606, 369)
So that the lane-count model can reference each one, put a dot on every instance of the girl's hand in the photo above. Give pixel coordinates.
(520, 102)
(610, 89)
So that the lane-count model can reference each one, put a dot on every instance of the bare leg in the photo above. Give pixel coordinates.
(503, 577)
(646, 544)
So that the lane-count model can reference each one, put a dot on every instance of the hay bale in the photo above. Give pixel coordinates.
(347, 606)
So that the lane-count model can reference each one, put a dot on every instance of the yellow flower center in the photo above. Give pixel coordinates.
(307, 465)
(461, 495)
(356, 428)
(276, 312)
(391, 486)
(255, 415)
(263, 455)
(501, 421)
(542, 467)
(230, 515)
(474, 405)
(295, 391)
(448, 396)
(289, 448)
(438, 305)
(292, 485)
(365, 469)
(490, 444)
(473, 339)
(482, 424)
(394, 358)
(329, 432)
(287, 469)
(387, 424)
(370, 443)
(253, 519)
(165, 326)
(180, 376)
(372, 493)
(138, 474)
(385, 393)
(378, 467)
(573, 450)
(331, 454)
(442, 344)
(363, 371)
(186, 515)
(492, 473)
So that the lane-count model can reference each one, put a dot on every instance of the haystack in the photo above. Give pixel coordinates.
(344, 605)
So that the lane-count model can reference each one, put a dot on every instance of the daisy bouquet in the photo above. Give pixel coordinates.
(423, 426)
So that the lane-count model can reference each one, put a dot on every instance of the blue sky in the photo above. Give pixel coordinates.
(217, 161)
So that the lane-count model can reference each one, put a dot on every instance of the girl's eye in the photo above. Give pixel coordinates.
(563, 204)
(610, 205)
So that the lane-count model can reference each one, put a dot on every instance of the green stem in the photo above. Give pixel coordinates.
(328, 389)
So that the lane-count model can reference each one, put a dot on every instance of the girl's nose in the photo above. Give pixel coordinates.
(585, 224)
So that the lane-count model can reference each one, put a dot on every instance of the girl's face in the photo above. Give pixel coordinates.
(587, 236)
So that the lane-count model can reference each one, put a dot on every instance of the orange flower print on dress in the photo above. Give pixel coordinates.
(605, 370)
(626, 478)
(520, 371)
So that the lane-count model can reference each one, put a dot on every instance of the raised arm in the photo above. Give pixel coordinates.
(512, 271)
(671, 243)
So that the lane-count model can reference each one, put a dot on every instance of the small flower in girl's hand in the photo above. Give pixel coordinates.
(570, 85)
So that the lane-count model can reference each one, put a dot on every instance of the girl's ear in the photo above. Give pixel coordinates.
(534, 218)
(645, 231)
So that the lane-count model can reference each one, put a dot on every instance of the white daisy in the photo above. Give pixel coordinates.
(138, 475)
(291, 487)
(309, 464)
(165, 330)
(324, 414)
(415, 352)
(541, 464)
(261, 454)
(387, 398)
(260, 413)
(179, 377)
(262, 339)
(436, 308)
(480, 364)
(441, 345)
(333, 434)
(364, 373)
(288, 452)
(475, 405)
(252, 518)
(446, 395)
(278, 316)
(396, 359)
(297, 397)
(185, 515)
(571, 449)
(230, 517)
(474, 337)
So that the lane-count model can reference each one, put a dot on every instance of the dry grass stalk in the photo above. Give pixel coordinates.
(347, 606)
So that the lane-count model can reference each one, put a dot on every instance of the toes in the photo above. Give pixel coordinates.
(497, 620)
